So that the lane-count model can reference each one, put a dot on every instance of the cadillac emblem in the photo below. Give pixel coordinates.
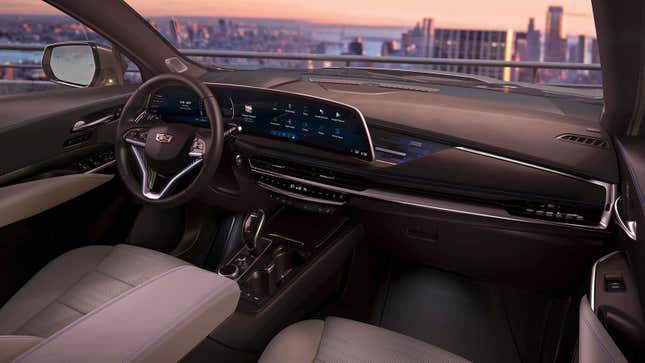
(163, 138)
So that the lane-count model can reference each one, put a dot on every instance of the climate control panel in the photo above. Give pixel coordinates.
(302, 195)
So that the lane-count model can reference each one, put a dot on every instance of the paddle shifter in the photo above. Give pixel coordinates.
(252, 230)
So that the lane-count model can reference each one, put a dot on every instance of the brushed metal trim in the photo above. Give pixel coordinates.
(442, 205)
(592, 290)
(610, 189)
(143, 168)
(101, 167)
(629, 227)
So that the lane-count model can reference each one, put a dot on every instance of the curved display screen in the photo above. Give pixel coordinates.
(300, 119)
(297, 118)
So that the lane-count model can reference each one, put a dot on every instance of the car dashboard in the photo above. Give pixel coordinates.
(317, 154)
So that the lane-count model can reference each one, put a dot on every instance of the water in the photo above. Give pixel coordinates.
(13, 56)
(339, 36)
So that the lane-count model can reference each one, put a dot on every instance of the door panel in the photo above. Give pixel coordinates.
(24, 200)
(612, 317)
(36, 133)
(57, 185)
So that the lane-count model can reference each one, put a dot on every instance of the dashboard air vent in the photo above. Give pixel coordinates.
(585, 140)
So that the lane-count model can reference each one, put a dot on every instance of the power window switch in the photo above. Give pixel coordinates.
(614, 283)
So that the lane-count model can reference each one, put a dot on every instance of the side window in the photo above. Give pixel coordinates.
(26, 27)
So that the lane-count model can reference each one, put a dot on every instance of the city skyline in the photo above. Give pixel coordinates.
(494, 14)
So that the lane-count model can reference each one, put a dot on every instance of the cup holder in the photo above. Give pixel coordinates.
(268, 278)
(260, 283)
(286, 261)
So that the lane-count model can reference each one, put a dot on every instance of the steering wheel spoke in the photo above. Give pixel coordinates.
(149, 176)
(136, 136)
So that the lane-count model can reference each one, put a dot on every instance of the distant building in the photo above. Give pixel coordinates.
(532, 42)
(595, 52)
(418, 41)
(427, 32)
(475, 44)
(177, 33)
(355, 47)
(555, 43)
(390, 48)
(581, 50)
(222, 26)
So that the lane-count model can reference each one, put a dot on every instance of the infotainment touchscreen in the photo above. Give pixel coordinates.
(302, 119)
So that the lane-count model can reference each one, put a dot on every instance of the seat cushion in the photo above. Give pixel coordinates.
(342, 340)
(76, 283)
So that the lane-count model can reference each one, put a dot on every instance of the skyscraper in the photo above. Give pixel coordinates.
(176, 32)
(555, 43)
(418, 42)
(532, 42)
(427, 30)
(412, 42)
(475, 44)
(595, 53)
(581, 50)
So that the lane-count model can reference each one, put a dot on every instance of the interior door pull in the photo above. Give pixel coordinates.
(82, 125)
(629, 227)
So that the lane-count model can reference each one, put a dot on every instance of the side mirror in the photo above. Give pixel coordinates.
(82, 64)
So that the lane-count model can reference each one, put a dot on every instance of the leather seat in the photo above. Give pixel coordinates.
(114, 303)
(342, 340)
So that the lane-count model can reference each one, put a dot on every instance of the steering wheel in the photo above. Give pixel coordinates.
(167, 155)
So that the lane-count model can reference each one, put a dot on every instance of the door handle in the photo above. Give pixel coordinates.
(82, 125)
(629, 227)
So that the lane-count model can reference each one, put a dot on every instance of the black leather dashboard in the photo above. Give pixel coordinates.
(417, 164)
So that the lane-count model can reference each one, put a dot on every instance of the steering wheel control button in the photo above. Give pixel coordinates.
(198, 147)
(136, 137)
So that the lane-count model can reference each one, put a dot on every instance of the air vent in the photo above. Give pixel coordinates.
(585, 140)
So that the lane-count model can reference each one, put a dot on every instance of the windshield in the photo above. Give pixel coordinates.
(463, 36)
(531, 44)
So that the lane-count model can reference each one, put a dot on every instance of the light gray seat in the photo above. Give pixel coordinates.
(114, 303)
(342, 340)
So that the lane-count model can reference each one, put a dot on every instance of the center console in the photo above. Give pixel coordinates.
(289, 264)
(276, 250)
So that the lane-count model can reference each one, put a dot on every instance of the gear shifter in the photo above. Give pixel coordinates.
(252, 229)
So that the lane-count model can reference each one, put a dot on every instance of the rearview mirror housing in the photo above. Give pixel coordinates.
(82, 64)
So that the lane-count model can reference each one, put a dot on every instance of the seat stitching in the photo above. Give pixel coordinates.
(112, 277)
(27, 321)
(69, 306)
(322, 334)
(94, 312)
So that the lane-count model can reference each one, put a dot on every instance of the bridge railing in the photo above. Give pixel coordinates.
(350, 60)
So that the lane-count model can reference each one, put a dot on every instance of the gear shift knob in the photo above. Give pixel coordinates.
(252, 229)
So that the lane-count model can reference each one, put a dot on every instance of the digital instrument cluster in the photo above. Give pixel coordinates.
(177, 104)
(297, 118)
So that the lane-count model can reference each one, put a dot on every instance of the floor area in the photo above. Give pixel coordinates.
(480, 321)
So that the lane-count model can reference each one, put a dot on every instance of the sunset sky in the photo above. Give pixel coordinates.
(491, 14)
